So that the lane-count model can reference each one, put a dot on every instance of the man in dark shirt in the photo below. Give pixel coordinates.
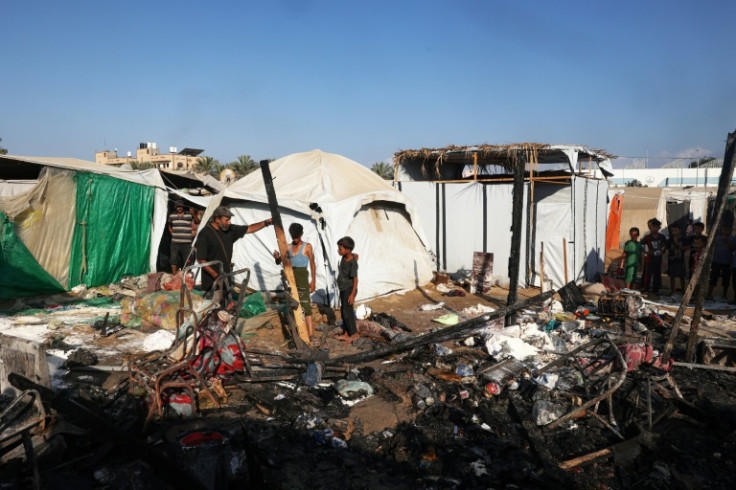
(216, 241)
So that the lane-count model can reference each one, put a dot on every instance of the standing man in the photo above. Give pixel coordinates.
(180, 227)
(216, 241)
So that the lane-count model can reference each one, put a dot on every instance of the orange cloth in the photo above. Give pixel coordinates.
(614, 222)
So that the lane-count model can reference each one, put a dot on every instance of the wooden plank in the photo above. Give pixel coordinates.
(278, 226)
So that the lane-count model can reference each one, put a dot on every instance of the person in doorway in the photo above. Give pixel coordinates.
(632, 257)
(676, 247)
(180, 227)
(302, 262)
(216, 241)
(347, 284)
(723, 247)
(654, 247)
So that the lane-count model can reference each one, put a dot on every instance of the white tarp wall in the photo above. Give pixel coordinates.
(579, 218)
(460, 207)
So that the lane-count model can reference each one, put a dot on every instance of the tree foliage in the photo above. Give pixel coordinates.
(3, 151)
(383, 169)
(136, 165)
(634, 183)
(243, 165)
(208, 166)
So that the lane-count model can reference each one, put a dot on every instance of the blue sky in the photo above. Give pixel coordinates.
(366, 79)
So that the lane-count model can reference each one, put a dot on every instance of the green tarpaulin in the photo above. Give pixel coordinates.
(20, 273)
(112, 235)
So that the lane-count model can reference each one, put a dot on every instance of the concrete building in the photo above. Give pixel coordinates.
(672, 175)
(174, 160)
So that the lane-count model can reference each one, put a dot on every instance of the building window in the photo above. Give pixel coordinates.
(179, 165)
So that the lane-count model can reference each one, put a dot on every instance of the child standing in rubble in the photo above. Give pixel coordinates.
(654, 247)
(302, 261)
(347, 283)
(632, 257)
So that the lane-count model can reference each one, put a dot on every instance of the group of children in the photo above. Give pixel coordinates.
(683, 250)
(302, 261)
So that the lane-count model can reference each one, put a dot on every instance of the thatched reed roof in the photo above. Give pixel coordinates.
(485, 155)
(504, 155)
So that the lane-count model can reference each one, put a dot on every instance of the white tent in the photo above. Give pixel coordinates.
(331, 196)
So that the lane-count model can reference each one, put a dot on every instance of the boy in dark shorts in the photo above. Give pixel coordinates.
(654, 247)
(347, 283)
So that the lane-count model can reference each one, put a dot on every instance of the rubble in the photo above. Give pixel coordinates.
(574, 394)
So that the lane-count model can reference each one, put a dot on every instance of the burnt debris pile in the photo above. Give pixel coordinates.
(572, 393)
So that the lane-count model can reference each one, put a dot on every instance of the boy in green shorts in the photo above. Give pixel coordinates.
(632, 257)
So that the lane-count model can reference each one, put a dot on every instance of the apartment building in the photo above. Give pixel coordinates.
(174, 160)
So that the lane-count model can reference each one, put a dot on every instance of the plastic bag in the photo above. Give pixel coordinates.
(252, 306)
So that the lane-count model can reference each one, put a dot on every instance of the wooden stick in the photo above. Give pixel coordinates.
(704, 264)
(572, 463)
(283, 250)
(541, 267)
(564, 257)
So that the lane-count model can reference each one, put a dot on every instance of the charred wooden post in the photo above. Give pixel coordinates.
(460, 330)
(702, 269)
(514, 258)
(724, 185)
(283, 250)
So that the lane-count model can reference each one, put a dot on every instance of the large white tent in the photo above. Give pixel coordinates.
(331, 196)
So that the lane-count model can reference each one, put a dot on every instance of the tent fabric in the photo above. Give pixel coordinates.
(343, 193)
(20, 273)
(64, 206)
(44, 220)
(579, 218)
(111, 239)
(9, 188)
(614, 222)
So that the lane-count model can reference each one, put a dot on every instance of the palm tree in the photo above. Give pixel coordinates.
(3, 151)
(384, 170)
(207, 165)
(244, 165)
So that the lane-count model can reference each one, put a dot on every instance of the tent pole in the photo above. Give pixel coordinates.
(564, 257)
(437, 223)
(514, 258)
(284, 251)
(541, 266)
